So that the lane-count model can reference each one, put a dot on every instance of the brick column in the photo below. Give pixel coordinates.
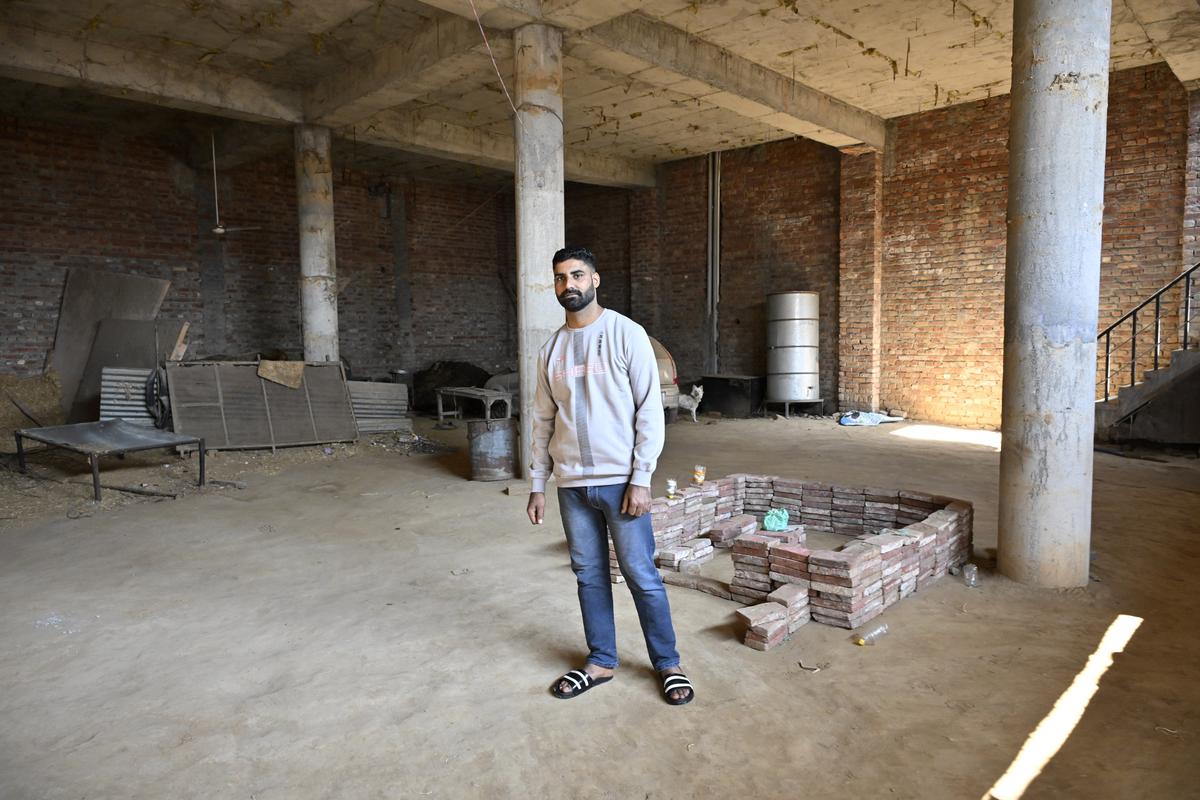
(860, 281)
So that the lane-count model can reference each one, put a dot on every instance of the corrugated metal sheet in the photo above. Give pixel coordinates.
(228, 404)
(123, 395)
(380, 406)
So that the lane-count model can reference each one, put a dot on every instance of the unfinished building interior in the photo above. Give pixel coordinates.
(264, 264)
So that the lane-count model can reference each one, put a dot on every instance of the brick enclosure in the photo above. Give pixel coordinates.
(907, 252)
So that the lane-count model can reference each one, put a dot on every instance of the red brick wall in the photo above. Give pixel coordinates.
(76, 197)
(779, 233)
(668, 259)
(1191, 211)
(860, 284)
(944, 237)
(461, 257)
(597, 217)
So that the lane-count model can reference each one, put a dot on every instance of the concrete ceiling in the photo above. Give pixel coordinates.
(644, 82)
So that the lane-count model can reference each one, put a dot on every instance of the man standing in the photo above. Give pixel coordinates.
(598, 426)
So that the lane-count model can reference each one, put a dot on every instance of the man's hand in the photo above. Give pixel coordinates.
(537, 507)
(637, 500)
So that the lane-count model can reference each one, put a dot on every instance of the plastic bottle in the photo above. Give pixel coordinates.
(872, 636)
(970, 574)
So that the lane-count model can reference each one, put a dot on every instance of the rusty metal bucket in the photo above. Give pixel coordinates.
(493, 446)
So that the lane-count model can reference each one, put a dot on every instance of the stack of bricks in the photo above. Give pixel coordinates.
(751, 568)
(788, 495)
(766, 625)
(926, 536)
(846, 510)
(792, 534)
(847, 587)
(686, 557)
(960, 540)
(709, 495)
(891, 552)
(817, 510)
(769, 624)
(788, 564)
(794, 598)
(879, 509)
(910, 565)
(731, 492)
(667, 521)
(759, 491)
(723, 532)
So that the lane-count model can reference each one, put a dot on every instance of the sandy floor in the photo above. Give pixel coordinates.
(376, 626)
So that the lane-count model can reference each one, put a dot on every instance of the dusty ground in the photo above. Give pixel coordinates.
(378, 627)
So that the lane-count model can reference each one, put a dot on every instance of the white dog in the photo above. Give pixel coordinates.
(690, 402)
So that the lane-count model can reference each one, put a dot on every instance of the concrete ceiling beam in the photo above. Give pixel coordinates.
(571, 15)
(40, 57)
(736, 83)
(414, 132)
(1174, 28)
(418, 63)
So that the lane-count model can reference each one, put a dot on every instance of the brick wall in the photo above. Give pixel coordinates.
(462, 256)
(1191, 211)
(668, 259)
(77, 197)
(779, 229)
(944, 239)
(779, 233)
(860, 284)
(597, 217)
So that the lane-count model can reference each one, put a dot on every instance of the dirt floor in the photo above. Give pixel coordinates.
(373, 625)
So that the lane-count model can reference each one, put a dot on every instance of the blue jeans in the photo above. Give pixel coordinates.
(589, 515)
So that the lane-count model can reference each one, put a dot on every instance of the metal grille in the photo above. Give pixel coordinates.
(228, 404)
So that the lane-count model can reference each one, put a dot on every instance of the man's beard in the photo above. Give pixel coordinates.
(573, 301)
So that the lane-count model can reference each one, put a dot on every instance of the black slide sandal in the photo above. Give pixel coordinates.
(581, 681)
(676, 681)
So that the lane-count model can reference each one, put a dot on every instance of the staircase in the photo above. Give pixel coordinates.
(1157, 342)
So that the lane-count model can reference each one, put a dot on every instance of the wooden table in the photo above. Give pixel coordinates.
(486, 396)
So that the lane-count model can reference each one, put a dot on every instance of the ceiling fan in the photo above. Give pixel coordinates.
(219, 229)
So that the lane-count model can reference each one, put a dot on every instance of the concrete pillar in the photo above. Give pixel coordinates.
(1052, 288)
(538, 127)
(318, 262)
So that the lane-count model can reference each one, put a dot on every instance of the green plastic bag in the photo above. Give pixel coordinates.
(776, 520)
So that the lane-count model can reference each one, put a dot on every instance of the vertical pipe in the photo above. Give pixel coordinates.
(1052, 288)
(318, 262)
(712, 359)
(538, 127)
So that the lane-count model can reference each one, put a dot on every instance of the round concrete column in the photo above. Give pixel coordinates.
(1052, 288)
(537, 52)
(318, 263)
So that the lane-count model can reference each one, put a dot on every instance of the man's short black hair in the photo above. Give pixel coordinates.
(571, 252)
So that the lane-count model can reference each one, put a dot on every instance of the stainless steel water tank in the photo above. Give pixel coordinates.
(793, 340)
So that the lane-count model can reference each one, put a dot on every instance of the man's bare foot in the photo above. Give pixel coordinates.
(567, 689)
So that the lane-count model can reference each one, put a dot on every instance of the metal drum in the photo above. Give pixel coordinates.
(493, 446)
(793, 345)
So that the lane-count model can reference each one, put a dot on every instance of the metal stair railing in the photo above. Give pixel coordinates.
(1189, 278)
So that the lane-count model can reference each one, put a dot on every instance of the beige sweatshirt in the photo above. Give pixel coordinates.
(598, 414)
